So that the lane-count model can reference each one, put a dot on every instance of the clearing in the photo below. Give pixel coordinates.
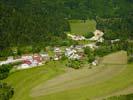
(80, 27)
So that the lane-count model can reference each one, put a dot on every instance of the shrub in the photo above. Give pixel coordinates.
(76, 64)
(4, 71)
(6, 91)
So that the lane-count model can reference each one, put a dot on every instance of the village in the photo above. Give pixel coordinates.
(74, 52)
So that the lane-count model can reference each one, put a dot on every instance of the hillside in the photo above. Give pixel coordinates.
(73, 85)
(66, 49)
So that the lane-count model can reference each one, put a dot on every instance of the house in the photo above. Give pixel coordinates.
(76, 37)
(100, 39)
(25, 64)
(58, 53)
(114, 41)
(45, 56)
(37, 57)
(27, 56)
(95, 63)
(98, 36)
(79, 48)
(69, 52)
(56, 57)
(57, 50)
(98, 33)
(10, 59)
(75, 56)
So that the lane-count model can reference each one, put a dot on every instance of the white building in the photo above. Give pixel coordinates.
(69, 52)
(76, 37)
(98, 36)
(116, 40)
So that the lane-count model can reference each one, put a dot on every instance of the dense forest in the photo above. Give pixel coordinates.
(44, 22)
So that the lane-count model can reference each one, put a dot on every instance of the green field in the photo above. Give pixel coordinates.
(79, 27)
(54, 82)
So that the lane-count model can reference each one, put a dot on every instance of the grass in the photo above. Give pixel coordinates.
(23, 81)
(83, 42)
(80, 28)
(121, 81)
(116, 78)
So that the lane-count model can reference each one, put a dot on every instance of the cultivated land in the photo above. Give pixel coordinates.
(80, 27)
(54, 82)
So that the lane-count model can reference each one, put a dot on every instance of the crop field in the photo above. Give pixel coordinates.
(54, 81)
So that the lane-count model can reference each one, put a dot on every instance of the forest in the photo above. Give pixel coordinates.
(39, 23)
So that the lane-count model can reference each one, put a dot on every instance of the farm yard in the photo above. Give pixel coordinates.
(54, 81)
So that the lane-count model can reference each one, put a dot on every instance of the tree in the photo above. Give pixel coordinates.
(76, 64)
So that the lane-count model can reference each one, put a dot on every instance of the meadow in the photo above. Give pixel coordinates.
(80, 27)
(54, 81)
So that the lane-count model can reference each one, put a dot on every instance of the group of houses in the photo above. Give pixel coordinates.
(72, 52)
(98, 36)
(33, 60)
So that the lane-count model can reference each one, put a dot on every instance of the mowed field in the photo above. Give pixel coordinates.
(80, 27)
(54, 82)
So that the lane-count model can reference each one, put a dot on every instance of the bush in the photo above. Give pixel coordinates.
(6, 91)
(91, 58)
(130, 59)
(76, 64)
(90, 54)
(89, 35)
(4, 71)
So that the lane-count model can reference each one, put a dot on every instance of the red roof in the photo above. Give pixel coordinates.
(27, 62)
(37, 58)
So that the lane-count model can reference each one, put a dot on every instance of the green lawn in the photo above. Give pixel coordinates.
(109, 81)
(79, 27)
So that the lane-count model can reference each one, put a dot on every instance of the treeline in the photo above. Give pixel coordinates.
(6, 91)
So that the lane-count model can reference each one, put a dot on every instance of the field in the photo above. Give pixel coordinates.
(79, 27)
(56, 82)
